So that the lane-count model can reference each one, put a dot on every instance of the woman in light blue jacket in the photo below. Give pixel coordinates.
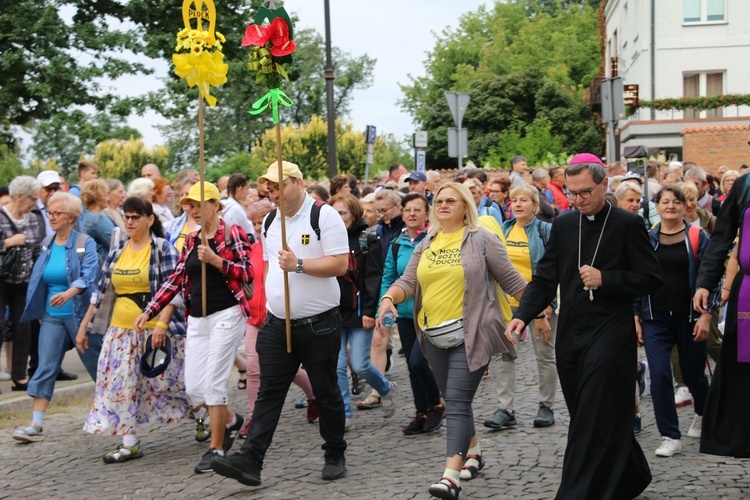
(59, 291)
(525, 238)
(425, 390)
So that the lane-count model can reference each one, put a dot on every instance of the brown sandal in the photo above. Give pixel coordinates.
(370, 402)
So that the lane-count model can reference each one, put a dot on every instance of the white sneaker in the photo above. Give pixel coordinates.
(695, 427)
(348, 424)
(4, 376)
(669, 447)
(683, 397)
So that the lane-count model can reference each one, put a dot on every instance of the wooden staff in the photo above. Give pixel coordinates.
(282, 219)
(204, 240)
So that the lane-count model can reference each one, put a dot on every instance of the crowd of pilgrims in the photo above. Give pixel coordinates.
(110, 271)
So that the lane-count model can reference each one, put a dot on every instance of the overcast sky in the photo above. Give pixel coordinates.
(396, 33)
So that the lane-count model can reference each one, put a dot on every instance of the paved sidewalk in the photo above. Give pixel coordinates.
(382, 463)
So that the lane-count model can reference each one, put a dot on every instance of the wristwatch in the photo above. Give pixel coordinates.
(299, 267)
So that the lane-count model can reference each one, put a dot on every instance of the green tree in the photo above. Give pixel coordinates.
(67, 137)
(307, 146)
(228, 126)
(123, 159)
(520, 62)
(50, 63)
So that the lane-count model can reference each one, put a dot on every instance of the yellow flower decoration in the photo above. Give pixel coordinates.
(200, 61)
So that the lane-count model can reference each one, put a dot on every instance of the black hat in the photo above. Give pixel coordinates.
(155, 361)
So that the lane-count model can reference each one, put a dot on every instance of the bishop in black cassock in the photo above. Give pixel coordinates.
(603, 252)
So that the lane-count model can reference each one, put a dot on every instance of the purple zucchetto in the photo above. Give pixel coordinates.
(585, 158)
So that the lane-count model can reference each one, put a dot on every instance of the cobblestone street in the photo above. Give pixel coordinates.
(382, 463)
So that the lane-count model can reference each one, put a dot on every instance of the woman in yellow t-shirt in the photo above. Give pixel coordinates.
(124, 399)
(452, 276)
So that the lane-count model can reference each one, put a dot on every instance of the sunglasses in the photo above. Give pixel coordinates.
(446, 201)
(134, 218)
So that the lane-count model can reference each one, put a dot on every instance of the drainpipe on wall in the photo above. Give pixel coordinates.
(653, 56)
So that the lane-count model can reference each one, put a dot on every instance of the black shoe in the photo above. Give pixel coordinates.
(501, 419)
(416, 426)
(231, 433)
(239, 467)
(335, 467)
(207, 462)
(388, 356)
(63, 375)
(434, 417)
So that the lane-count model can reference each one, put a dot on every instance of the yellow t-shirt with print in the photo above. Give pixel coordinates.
(180, 241)
(517, 244)
(490, 224)
(441, 275)
(130, 275)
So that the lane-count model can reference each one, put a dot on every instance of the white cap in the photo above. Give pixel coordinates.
(48, 177)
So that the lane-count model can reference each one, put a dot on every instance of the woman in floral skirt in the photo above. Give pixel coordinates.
(124, 398)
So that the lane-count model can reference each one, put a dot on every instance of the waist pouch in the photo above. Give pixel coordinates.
(447, 334)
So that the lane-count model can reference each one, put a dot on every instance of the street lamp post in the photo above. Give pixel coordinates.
(332, 170)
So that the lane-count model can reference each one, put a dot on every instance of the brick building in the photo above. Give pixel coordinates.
(716, 145)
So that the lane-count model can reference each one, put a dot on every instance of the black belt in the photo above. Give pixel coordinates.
(307, 321)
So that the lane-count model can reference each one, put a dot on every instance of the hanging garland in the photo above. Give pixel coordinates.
(697, 103)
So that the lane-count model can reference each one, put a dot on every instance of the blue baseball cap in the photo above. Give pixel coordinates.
(417, 175)
(155, 361)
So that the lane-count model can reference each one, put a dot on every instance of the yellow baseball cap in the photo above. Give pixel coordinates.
(288, 170)
(210, 192)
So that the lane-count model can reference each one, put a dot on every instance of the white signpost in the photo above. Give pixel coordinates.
(458, 138)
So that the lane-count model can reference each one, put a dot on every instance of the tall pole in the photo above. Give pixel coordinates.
(282, 220)
(202, 167)
(332, 170)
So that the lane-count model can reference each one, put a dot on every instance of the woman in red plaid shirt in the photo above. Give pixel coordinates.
(213, 335)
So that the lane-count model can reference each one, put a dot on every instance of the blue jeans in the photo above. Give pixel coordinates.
(659, 336)
(359, 341)
(423, 385)
(55, 336)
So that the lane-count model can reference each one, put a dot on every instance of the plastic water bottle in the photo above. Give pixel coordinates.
(388, 320)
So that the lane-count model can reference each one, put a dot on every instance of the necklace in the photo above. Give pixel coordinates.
(596, 250)
(672, 234)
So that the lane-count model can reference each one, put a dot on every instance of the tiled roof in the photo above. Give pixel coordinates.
(715, 128)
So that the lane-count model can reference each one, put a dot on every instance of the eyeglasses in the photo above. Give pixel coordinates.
(413, 210)
(584, 195)
(134, 218)
(446, 201)
(381, 212)
(55, 215)
(344, 213)
(52, 189)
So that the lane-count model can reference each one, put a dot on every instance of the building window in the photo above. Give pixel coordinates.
(704, 11)
(703, 84)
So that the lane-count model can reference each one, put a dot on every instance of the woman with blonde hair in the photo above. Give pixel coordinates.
(117, 197)
(453, 277)
(98, 225)
(526, 238)
(727, 180)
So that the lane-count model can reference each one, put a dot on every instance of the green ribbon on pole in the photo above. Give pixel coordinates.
(272, 98)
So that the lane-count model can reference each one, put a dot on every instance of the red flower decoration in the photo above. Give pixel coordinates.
(256, 35)
(279, 34)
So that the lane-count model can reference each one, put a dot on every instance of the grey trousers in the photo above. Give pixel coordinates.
(458, 386)
(505, 371)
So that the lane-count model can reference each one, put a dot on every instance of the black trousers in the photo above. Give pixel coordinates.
(13, 296)
(316, 346)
